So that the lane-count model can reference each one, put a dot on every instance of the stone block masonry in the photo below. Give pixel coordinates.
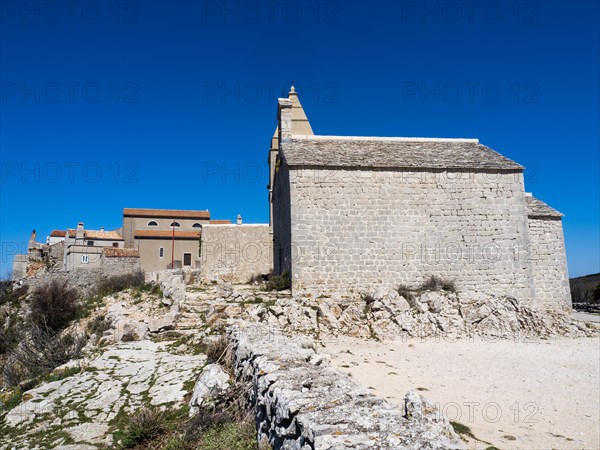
(359, 229)
(551, 278)
(235, 252)
(301, 403)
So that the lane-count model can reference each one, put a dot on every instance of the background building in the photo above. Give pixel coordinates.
(165, 238)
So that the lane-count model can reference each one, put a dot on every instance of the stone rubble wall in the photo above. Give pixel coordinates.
(85, 279)
(550, 274)
(302, 403)
(362, 229)
(235, 253)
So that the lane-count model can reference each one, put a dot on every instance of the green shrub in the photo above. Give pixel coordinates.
(279, 282)
(230, 436)
(54, 305)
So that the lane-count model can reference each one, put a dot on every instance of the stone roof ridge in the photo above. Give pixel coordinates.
(380, 138)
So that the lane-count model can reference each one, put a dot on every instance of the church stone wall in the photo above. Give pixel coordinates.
(550, 275)
(365, 229)
(235, 252)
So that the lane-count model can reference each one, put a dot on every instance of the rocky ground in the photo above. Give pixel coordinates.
(150, 353)
(82, 411)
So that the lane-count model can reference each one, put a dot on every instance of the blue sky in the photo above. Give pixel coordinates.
(172, 104)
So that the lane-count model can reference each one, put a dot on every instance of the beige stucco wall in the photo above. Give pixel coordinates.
(550, 275)
(236, 252)
(149, 252)
(130, 224)
(355, 230)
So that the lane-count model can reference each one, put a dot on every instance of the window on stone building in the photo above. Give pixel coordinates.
(161, 252)
(115, 244)
(175, 224)
(90, 243)
(85, 259)
(152, 223)
(196, 225)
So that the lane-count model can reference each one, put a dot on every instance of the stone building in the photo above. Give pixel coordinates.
(85, 248)
(165, 238)
(353, 214)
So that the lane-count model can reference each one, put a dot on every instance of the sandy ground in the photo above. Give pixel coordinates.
(513, 395)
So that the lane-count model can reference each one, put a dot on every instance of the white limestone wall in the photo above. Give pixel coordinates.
(550, 274)
(235, 252)
(360, 229)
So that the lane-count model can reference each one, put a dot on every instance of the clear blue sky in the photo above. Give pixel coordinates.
(172, 104)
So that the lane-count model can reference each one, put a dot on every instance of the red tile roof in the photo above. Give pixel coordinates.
(58, 233)
(166, 213)
(113, 252)
(220, 222)
(167, 234)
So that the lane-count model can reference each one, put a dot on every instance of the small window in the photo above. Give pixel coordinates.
(175, 224)
(196, 225)
(161, 252)
(115, 244)
(187, 259)
(152, 223)
(90, 243)
(85, 259)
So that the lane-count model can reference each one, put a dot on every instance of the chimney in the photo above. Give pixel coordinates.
(239, 219)
(102, 229)
(79, 234)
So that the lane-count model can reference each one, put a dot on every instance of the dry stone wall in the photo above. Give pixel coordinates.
(302, 403)
(360, 229)
(235, 252)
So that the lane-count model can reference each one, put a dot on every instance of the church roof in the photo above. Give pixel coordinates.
(537, 208)
(385, 152)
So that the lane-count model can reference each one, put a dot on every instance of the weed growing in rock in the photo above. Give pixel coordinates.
(279, 282)
(434, 283)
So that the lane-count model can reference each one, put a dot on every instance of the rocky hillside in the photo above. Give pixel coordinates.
(131, 365)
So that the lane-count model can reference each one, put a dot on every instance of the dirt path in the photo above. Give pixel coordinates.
(513, 395)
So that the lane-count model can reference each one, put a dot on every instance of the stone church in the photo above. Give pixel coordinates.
(352, 214)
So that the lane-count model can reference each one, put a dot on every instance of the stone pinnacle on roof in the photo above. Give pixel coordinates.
(300, 123)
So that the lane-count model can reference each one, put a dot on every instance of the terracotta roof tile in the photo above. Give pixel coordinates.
(220, 222)
(166, 213)
(167, 234)
(58, 233)
(113, 252)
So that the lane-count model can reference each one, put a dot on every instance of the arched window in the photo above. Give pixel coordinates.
(161, 252)
(174, 224)
(196, 225)
(152, 223)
